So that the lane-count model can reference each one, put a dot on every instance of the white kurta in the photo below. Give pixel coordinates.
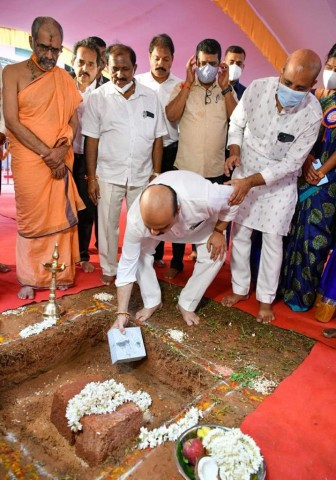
(255, 126)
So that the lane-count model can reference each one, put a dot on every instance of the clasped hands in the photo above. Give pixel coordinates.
(55, 161)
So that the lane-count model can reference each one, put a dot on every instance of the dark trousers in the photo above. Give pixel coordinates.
(87, 216)
(168, 159)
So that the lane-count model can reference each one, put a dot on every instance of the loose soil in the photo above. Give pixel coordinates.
(197, 372)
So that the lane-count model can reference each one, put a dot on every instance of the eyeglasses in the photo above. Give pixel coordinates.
(208, 96)
(45, 49)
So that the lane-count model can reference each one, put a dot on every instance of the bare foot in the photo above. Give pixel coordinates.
(4, 268)
(232, 299)
(87, 267)
(265, 314)
(62, 287)
(108, 279)
(160, 263)
(189, 317)
(171, 273)
(26, 292)
(145, 313)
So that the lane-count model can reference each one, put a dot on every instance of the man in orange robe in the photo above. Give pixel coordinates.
(40, 102)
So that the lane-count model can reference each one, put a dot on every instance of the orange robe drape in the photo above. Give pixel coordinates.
(46, 207)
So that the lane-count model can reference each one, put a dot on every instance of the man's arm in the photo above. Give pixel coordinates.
(223, 82)
(11, 113)
(123, 297)
(91, 155)
(175, 108)
(157, 153)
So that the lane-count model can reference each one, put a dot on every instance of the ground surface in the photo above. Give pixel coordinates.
(224, 366)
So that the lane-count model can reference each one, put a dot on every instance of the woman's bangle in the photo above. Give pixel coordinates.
(123, 313)
(320, 174)
(218, 230)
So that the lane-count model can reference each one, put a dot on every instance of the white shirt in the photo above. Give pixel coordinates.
(255, 125)
(163, 91)
(201, 203)
(78, 143)
(2, 120)
(126, 130)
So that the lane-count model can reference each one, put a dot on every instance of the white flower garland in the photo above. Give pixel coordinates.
(103, 297)
(177, 335)
(102, 397)
(18, 311)
(159, 435)
(236, 454)
(37, 328)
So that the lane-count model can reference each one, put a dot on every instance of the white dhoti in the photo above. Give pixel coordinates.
(204, 273)
(270, 263)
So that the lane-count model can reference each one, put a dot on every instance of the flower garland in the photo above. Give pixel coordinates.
(159, 435)
(18, 311)
(102, 397)
(103, 297)
(236, 454)
(37, 328)
(177, 335)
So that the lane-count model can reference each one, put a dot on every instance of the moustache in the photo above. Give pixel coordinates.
(161, 68)
(121, 79)
(84, 73)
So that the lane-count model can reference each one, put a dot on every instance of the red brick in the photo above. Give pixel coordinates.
(104, 434)
(60, 403)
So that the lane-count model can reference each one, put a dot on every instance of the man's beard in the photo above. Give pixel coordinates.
(47, 63)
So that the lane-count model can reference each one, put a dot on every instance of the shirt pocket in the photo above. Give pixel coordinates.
(277, 149)
(148, 124)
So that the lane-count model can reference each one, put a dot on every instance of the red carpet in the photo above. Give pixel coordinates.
(295, 426)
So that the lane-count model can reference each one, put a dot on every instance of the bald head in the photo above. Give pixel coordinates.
(158, 207)
(304, 60)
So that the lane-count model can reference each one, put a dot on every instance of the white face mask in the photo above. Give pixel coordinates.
(288, 97)
(124, 88)
(207, 73)
(234, 72)
(329, 79)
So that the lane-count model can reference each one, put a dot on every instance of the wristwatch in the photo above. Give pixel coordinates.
(227, 90)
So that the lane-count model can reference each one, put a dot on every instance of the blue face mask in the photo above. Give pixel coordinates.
(288, 97)
(207, 74)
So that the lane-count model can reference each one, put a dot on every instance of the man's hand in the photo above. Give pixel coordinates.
(231, 162)
(190, 78)
(59, 172)
(223, 75)
(93, 191)
(216, 246)
(241, 187)
(121, 321)
(310, 174)
(56, 156)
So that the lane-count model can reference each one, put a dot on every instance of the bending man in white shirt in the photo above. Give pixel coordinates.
(180, 207)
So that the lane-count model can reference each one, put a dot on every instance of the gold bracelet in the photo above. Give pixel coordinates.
(92, 180)
(218, 230)
(123, 313)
